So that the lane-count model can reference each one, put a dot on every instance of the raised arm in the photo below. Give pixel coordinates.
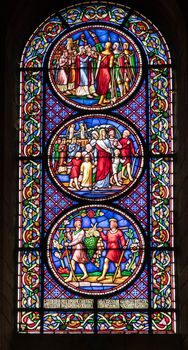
(104, 237)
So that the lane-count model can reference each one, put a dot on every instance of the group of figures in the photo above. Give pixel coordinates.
(95, 250)
(115, 241)
(102, 72)
(94, 160)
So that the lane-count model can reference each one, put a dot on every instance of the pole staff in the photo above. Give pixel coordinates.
(133, 164)
(104, 228)
(69, 262)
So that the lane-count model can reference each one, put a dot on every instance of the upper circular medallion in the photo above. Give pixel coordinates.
(97, 157)
(95, 67)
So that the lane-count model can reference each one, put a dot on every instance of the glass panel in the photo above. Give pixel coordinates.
(96, 240)
(163, 280)
(150, 38)
(29, 279)
(122, 322)
(95, 250)
(94, 69)
(54, 202)
(68, 322)
(28, 322)
(29, 203)
(55, 113)
(30, 140)
(161, 132)
(136, 201)
(56, 296)
(95, 13)
(135, 110)
(164, 322)
(162, 222)
(80, 144)
(39, 42)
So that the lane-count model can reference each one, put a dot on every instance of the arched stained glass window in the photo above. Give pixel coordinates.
(96, 242)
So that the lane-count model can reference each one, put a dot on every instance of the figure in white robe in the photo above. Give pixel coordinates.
(62, 77)
(79, 255)
(86, 172)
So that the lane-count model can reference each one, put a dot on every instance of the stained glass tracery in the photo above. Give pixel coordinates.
(96, 240)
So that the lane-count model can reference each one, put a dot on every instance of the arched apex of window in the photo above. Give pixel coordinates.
(96, 187)
(124, 17)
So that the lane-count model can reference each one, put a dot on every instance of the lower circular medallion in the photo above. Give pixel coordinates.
(95, 250)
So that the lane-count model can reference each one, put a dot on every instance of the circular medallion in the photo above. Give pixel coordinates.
(95, 250)
(96, 157)
(95, 67)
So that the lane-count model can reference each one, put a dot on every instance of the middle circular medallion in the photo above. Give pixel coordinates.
(96, 157)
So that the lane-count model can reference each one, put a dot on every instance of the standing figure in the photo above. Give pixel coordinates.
(115, 242)
(75, 170)
(113, 140)
(115, 165)
(95, 137)
(71, 66)
(62, 72)
(86, 172)
(82, 131)
(78, 250)
(126, 151)
(82, 81)
(91, 68)
(71, 131)
(103, 161)
(129, 67)
(93, 141)
(118, 69)
(73, 148)
(62, 152)
(103, 74)
(56, 153)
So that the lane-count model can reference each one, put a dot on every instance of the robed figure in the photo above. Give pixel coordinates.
(127, 151)
(104, 66)
(79, 255)
(82, 76)
(115, 243)
(104, 161)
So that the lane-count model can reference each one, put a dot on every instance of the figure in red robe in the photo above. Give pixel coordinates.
(104, 65)
(126, 151)
(103, 161)
(115, 242)
(75, 170)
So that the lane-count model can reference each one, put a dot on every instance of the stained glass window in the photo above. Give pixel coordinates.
(96, 241)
